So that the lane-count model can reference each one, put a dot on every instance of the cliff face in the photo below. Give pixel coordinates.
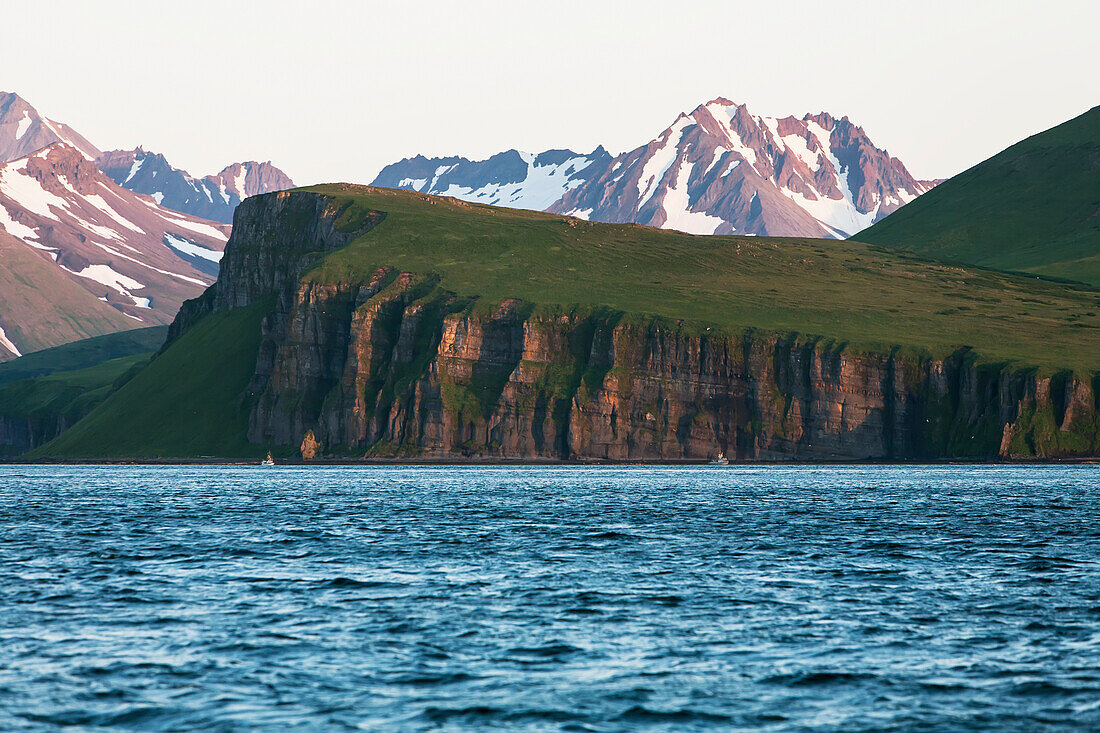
(23, 433)
(397, 366)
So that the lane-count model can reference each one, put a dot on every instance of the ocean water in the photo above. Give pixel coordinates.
(550, 598)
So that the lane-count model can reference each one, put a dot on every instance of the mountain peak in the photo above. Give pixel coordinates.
(23, 130)
(213, 197)
(120, 259)
(717, 170)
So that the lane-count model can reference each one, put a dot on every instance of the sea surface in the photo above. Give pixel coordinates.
(839, 598)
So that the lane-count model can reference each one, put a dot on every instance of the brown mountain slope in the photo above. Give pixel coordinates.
(41, 306)
(135, 258)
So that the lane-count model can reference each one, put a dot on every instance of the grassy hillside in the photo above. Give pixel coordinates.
(62, 398)
(868, 296)
(83, 354)
(41, 307)
(1034, 207)
(186, 404)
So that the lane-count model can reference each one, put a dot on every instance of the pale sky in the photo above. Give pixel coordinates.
(333, 90)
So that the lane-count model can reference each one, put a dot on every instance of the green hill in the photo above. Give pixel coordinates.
(1034, 207)
(186, 404)
(35, 410)
(193, 399)
(84, 353)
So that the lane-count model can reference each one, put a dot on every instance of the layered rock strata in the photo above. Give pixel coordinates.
(396, 366)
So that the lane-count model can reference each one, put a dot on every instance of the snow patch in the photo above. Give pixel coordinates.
(101, 203)
(105, 232)
(14, 228)
(238, 183)
(24, 123)
(773, 127)
(653, 172)
(190, 248)
(8, 344)
(677, 207)
(839, 215)
(16, 184)
(194, 226)
(724, 117)
(905, 196)
(104, 275)
(798, 145)
(146, 265)
(138, 162)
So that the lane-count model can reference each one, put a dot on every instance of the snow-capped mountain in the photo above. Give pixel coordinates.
(514, 179)
(81, 255)
(213, 197)
(718, 170)
(133, 256)
(23, 130)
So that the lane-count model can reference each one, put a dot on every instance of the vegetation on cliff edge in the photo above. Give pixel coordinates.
(866, 296)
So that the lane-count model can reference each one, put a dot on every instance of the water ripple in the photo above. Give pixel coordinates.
(550, 598)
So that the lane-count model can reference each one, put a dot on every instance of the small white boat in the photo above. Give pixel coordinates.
(269, 461)
(721, 460)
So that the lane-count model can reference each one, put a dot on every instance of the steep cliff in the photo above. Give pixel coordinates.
(395, 364)
(363, 351)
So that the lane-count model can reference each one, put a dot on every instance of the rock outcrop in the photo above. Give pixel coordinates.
(394, 365)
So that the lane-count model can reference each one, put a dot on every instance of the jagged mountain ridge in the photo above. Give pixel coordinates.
(513, 179)
(211, 197)
(24, 131)
(718, 170)
(84, 256)
(138, 260)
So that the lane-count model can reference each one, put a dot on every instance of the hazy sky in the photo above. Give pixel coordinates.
(334, 90)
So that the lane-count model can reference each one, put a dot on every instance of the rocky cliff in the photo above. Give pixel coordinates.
(395, 365)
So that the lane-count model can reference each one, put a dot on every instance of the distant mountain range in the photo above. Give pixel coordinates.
(718, 170)
(213, 197)
(84, 251)
(24, 131)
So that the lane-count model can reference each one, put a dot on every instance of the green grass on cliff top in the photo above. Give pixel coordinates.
(865, 295)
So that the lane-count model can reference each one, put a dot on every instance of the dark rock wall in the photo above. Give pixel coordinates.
(396, 366)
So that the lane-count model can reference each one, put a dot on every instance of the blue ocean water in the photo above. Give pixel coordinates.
(550, 598)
